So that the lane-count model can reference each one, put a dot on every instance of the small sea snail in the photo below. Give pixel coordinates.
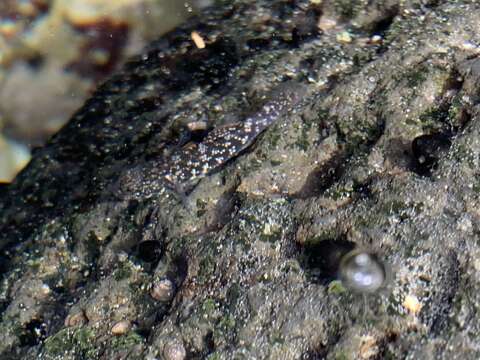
(362, 272)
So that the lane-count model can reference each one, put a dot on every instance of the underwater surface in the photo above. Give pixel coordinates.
(285, 179)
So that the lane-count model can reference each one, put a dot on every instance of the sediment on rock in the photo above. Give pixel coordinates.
(382, 154)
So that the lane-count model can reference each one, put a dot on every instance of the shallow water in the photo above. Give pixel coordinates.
(54, 53)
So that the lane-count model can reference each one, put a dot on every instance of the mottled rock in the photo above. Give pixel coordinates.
(253, 249)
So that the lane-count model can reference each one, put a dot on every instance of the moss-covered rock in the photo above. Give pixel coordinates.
(380, 154)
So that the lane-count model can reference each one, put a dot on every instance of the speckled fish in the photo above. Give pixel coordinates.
(226, 142)
(185, 166)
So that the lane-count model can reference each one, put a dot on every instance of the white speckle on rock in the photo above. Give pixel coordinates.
(464, 224)
(174, 351)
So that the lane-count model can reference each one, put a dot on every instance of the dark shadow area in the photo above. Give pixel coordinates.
(321, 260)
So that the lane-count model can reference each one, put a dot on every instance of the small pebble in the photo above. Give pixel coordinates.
(326, 24)
(476, 264)
(121, 327)
(45, 289)
(467, 45)
(122, 256)
(197, 125)
(174, 351)
(163, 290)
(76, 319)
(13, 157)
(344, 37)
(376, 39)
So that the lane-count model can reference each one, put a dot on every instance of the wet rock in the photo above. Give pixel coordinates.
(174, 351)
(251, 252)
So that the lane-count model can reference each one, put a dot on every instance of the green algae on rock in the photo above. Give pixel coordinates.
(340, 168)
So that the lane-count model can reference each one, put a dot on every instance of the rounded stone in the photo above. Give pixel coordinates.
(163, 290)
(174, 351)
(362, 272)
(76, 319)
(121, 327)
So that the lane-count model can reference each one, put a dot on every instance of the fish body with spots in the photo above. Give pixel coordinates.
(182, 168)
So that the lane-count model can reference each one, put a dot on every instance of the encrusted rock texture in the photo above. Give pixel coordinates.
(382, 154)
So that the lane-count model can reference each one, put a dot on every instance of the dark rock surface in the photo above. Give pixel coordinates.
(382, 154)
